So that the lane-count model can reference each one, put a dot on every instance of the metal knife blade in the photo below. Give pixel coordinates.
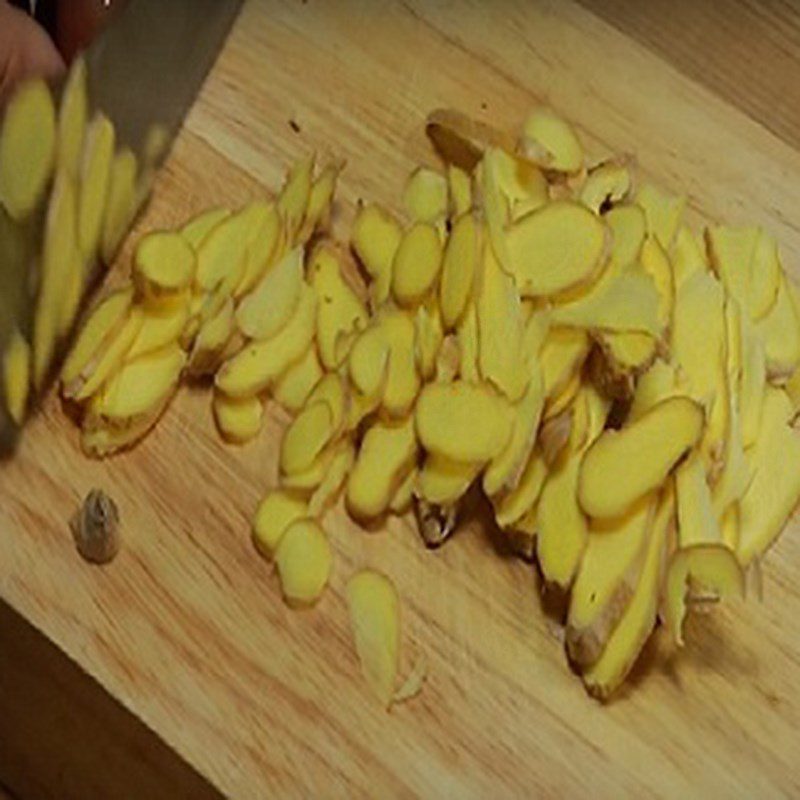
(143, 73)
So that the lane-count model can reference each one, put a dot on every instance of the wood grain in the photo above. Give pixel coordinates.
(186, 628)
(744, 51)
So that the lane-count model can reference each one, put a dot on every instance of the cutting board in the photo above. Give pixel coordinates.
(177, 671)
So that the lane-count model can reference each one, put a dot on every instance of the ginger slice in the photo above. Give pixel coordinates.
(340, 313)
(304, 561)
(505, 471)
(459, 186)
(368, 361)
(428, 336)
(16, 375)
(607, 183)
(687, 257)
(320, 199)
(461, 140)
(416, 264)
(459, 268)
(780, 332)
(269, 306)
(521, 182)
(403, 497)
(730, 251)
(72, 116)
(295, 195)
(140, 384)
(222, 252)
(375, 238)
(442, 481)
(629, 635)
(197, 228)
(305, 438)
(752, 382)
(333, 391)
(211, 341)
(463, 422)
(96, 161)
(512, 506)
(292, 389)
(121, 203)
(467, 337)
(387, 453)
(59, 246)
(500, 330)
(562, 355)
(606, 580)
(655, 263)
(425, 195)
(264, 245)
(335, 478)
(765, 275)
(562, 525)
(275, 513)
(96, 332)
(663, 211)
(775, 488)
(259, 364)
(375, 620)
(556, 248)
(551, 142)
(403, 382)
(100, 439)
(238, 419)
(622, 466)
(27, 148)
(162, 323)
(307, 481)
(620, 359)
(163, 263)
(702, 554)
(628, 226)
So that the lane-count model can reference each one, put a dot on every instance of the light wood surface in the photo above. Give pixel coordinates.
(186, 629)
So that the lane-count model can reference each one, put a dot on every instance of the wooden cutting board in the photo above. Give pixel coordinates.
(177, 671)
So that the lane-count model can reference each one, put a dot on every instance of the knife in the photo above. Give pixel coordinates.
(143, 73)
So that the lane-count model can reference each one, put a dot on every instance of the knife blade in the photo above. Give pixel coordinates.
(143, 72)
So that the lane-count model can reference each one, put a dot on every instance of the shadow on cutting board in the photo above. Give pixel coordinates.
(63, 736)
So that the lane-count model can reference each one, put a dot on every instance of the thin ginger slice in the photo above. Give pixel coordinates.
(562, 355)
(304, 561)
(375, 238)
(687, 257)
(72, 116)
(309, 480)
(628, 226)
(500, 330)
(163, 263)
(780, 332)
(335, 478)
(551, 142)
(375, 620)
(27, 148)
(292, 389)
(387, 454)
(606, 580)
(275, 513)
(260, 364)
(140, 384)
(730, 252)
(631, 632)
(16, 375)
(622, 466)
(556, 248)
(162, 324)
(340, 312)
(121, 203)
(295, 195)
(495, 206)
(459, 268)
(368, 361)
(459, 185)
(460, 140)
(264, 245)
(428, 336)
(620, 359)
(416, 264)
(655, 263)
(221, 253)
(334, 392)
(752, 382)
(238, 419)
(664, 213)
(305, 438)
(269, 306)
(403, 497)
(467, 338)
(442, 481)
(765, 275)
(403, 382)
(96, 161)
(208, 349)
(96, 332)
(197, 228)
(512, 506)
(320, 199)
(463, 422)
(775, 488)
(59, 246)
(99, 440)
(425, 195)
(522, 182)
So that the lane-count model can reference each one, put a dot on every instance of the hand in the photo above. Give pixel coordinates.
(25, 50)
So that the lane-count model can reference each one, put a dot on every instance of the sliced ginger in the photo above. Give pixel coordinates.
(556, 248)
(442, 481)
(163, 263)
(95, 176)
(238, 419)
(72, 116)
(335, 478)
(663, 211)
(550, 141)
(606, 184)
(197, 228)
(162, 323)
(376, 237)
(276, 512)
(375, 619)
(16, 375)
(459, 187)
(306, 437)
(459, 267)
(121, 203)
(416, 264)
(622, 466)
(425, 195)
(27, 148)
(295, 195)
(264, 245)
(304, 560)
(295, 385)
